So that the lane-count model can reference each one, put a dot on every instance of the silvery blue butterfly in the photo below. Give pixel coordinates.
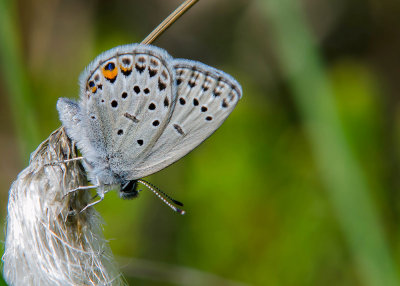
(141, 110)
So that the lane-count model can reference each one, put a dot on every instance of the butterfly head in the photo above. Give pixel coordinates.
(128, 190)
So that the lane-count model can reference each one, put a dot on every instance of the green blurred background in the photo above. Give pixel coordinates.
(300, 186)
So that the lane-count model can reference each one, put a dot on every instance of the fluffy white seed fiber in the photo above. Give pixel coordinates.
(48, 242)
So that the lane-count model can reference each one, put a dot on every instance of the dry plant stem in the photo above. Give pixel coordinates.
(169, 21)
(49, 242)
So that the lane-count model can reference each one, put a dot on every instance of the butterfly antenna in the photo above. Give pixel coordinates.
(163, 196)
(169, 21)
(158, 190)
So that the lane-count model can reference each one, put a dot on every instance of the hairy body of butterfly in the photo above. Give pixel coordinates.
(140, 110)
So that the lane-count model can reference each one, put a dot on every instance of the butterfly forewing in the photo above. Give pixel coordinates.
(205, 97)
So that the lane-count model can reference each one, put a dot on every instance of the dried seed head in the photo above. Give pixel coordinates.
(48, 242)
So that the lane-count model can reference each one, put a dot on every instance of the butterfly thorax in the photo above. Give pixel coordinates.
(102, 173)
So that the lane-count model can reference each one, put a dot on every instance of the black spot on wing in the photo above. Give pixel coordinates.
(152, 106)
(112, 80)
(161, 85)
(126, 72)
(152, 72)
(139, 68)
(131, 117)
(141, 64)
(166, 102)
(179, 129)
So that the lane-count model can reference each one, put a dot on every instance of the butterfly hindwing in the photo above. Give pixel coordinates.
(127, 97)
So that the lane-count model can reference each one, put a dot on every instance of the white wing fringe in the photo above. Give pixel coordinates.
(48, 242)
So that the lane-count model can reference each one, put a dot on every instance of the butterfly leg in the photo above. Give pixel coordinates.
(101, 191)
(80, 188)
(92, 204)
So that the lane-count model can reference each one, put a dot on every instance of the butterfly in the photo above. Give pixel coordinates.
(141, 110)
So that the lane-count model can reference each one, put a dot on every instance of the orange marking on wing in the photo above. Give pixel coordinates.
(110, 74)
(124, 69)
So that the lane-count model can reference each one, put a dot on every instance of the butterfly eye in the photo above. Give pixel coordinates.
(109, 66)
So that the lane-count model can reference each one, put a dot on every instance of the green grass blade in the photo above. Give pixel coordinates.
(13, 70)
(2, 282)
(341, 173)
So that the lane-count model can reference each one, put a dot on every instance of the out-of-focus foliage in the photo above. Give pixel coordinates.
(259, 207)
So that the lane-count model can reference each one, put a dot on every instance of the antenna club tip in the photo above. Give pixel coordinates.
(181, 212)
(178, 203)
